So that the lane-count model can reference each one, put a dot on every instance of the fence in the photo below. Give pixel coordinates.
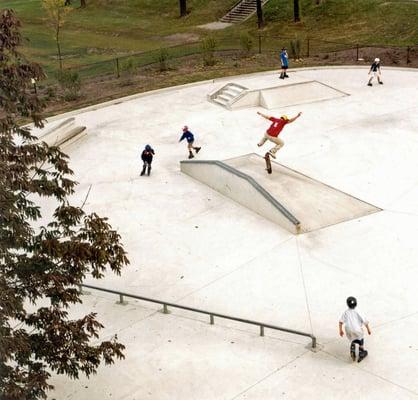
(211, 314)
(226, 49)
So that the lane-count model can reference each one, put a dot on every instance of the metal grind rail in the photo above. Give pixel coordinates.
(211, 314)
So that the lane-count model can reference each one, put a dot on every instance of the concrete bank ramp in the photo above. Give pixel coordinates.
(60, 134)
(290, 199)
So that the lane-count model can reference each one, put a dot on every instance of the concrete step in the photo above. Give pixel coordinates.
(220, 101)
(224, 98)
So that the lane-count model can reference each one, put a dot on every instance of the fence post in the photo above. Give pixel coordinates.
(408, 60)
(308, 48)
(117, 68)
(259, 44)
(356, 52)
(261, 330)
(212, 319)
(313, 342)
(165, 309)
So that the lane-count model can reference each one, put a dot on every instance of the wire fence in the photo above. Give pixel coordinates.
(234, 48)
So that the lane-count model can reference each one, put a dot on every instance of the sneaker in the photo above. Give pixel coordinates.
(286, 76)
(369, 84)
(362, 355)
(271, 154)
(191, 156)
(197, 149)
(281, 77)
(380, 83)
(259, 144)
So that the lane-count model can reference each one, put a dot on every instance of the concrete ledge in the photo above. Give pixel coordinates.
(61, 134)
(241, 188)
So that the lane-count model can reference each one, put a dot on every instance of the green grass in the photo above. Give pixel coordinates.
(114, 28)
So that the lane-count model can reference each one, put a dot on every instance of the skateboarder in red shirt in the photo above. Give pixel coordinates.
(274, 130)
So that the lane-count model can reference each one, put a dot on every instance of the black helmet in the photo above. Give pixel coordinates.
(351, 302)
(147, 147)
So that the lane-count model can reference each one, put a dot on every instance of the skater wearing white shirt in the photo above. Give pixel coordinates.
(353, 324)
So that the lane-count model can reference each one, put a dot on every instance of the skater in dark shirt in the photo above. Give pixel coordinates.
(375, 72)
(190, 141)
(146, 157)
(353, 323)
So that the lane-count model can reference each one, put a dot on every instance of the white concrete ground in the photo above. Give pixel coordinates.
(189, 244)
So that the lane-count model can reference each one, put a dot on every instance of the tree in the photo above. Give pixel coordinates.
(41, 262)
(296, 11)
(260, 20)
(56, 12)
(183, 8)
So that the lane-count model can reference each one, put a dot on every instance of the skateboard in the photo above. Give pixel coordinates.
(268, 163)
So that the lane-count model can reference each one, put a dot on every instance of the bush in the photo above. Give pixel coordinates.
(127, 66)
(247, 42)
(70, 83)
(295, 46)
(208, 47)
(163, 57)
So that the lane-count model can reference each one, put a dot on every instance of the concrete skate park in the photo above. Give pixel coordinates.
(208, 234)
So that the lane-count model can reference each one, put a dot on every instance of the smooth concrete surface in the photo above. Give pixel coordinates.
(191, 245)
(300, 93)
(313, 203)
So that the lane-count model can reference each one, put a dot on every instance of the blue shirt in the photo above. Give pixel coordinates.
(188, 136)
(283, 59)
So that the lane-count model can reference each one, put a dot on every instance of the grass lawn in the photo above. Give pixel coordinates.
(108, 28)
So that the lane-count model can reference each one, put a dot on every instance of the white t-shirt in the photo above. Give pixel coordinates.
(353, 323)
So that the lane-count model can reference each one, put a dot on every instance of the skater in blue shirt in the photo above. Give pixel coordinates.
(190, 141)
(284, 60)
(353, 323)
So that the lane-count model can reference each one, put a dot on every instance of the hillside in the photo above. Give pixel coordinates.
(106, 29)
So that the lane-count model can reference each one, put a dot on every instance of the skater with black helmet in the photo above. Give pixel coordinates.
(375, 72)
(146, 156)
(353, 324)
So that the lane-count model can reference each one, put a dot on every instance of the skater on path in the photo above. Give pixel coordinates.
(284, 60)
(353, 323)
(146, 157)
(190, 140)
(375, 72)
(272, 133)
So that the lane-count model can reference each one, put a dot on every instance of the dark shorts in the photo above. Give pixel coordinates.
(360, 342)
(285, 67)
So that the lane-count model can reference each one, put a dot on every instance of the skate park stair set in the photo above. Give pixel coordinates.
(288, 198)
(233, 96)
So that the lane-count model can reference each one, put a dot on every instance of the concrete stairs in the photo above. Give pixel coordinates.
(228, 94)
(241, 11)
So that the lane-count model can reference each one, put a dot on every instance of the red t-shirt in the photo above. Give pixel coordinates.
(277, 126)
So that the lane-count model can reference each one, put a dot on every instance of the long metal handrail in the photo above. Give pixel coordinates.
(211, 314)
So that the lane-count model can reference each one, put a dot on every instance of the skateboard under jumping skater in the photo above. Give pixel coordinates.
(268, 163)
